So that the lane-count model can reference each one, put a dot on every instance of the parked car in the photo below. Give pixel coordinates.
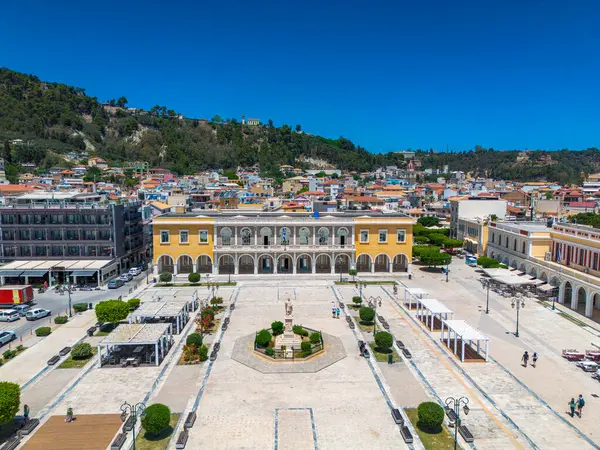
(37, 313)
(143, 267)
(6, 337)
(9, 315)
(22, 309)
(115, 284)
(126, 277)
(134, 271)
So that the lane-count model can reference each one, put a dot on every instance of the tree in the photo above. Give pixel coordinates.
(437, 238)
(433, 259)
(194, 277)
(194, 339)
(384, 341)
(122, 101)
(431, 416)
(7, 154)
(420, 239)
(357, 299)
(156, 418)
(92, 174)
(10, 401)
(277, 328)
(315, 338)
(298, 128)
(353, 273)
(487, 262)
(217, 119)
(112, 311)
(230, 174)
(263, 338)
(165, 277)
(453, 243)
(429, 221)
(134, 303)
(366, 315)
(270, 123)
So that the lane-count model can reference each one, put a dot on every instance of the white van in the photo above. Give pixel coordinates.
(9, 315)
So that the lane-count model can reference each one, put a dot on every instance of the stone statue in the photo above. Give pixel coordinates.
(288, 307)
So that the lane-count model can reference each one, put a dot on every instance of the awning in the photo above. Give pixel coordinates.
(83, 273)
(546, 287)
(34, 273)
(10, 273)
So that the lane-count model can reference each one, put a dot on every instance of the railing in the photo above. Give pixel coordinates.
(279, 247)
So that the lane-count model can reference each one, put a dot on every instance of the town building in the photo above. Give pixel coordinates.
(564, 256)
(58, 235)
(474, 232)
(474, 207)
(246, 242)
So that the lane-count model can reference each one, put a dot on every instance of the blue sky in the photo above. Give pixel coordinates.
(388, 75)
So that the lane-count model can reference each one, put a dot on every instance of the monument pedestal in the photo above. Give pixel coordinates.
(288, 338)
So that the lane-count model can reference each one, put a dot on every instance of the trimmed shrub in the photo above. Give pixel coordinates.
(277, 328)
(366, 315)
(9, 354)
(269, 352)
(194, 277)
(216, 301)
(384, 340)
(357, 300)
(487, 263)
(165, 277)
(60, 320)
(157, 418)
(297, 329)
(20, 348)
(134, 303)
(263, 338)
(431, 415)
(315, 338)
(112, 311)
(194, 339)
(80, 307)
(43, 331)
(353, 273)
(306, 348)
(10, 400)
(203, 353)
(420, 240)
(83, 350)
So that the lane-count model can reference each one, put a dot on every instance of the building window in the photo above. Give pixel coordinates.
(523, 251)
(203, 236)
(400, 236)
(383, 236)
(246, 236)
(226, 236)
(164, 237)
(364, 236)
(184, 237)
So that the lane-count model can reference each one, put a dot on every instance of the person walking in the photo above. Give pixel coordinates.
(525, 358)
(26, 413)
(534, 359)
(337, 312)
(572, 406)
(580, 405)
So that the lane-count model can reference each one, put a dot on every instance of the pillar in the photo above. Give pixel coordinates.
(462, 353)
(332, 262)
(255, 236)
(314, 262)
(294, 262)
(294, 242)
(235, 236)
(215, 236)
(274, 235)
(156, 358)
(99, 356)
(455, 343)
(154, 270)
(574, 291)
(314, 236)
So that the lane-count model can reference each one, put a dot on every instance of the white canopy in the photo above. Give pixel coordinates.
(466, 334)
(417, 292)
(465, 331)
(546, 288)
(435, 306)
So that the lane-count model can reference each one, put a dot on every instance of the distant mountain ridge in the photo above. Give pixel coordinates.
(56, 119)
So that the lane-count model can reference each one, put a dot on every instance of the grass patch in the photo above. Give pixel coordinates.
(383, 357)
(353, 306)
(367, 282)
(572, 319)
(363, 327)
(71, 363)
(19, 349)
(442, 440)
(106, 329)
(220, 283)
(159, 441)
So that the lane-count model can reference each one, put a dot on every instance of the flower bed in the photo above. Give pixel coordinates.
(312, 343)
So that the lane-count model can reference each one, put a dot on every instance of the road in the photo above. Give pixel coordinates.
(59, 305)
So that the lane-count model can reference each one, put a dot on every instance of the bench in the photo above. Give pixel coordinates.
(466, 434)
(213, 356)
(118, 442)
(11, 444)
(128, 425)
(64, 351)
(381, 318)
(232, 306)
(406, 434)
(29, 426)
(351, 325)
(190, 420)
(406, 353)
(385, 325)
(348, 319)
(217, 347)
(53, 360)
(181, 440)
(397, 416)
(341, 305)
(226, 321)
(400, 344)
(451, 414)
(361, 344)
(224, 327)
(91, 331)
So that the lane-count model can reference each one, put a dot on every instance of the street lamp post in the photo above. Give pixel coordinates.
(454, 404)
(519, 302)
(137, 410)
(487, 284)
(339, 259)
(447, 271)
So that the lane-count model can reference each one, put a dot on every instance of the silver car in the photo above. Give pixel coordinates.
(22, 309)
(6, 337)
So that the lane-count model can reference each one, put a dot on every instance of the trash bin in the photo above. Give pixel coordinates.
(391, 358)
(410, 276)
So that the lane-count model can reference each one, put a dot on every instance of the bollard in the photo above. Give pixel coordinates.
(31, 332)
(21, 339)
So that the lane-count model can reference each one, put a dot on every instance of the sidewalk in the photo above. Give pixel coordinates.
(34, 359)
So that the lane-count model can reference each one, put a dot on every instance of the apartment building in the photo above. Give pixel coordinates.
(50, 236)
(245, 242)
(474, 232)
(564, 256)
(474, 207)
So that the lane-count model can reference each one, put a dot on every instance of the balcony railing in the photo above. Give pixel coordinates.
(280, 248)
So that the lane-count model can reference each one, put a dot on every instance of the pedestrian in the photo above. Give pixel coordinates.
(572, 406)
(534, 359)
(333, 310)
(525, 358)
(69, 415)
(26, 413)
(580, 405)
(337, 311)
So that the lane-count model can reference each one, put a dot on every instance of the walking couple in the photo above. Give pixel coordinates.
(579, 404)
(525, 359)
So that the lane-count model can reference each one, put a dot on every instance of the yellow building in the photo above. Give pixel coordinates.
(248, 242)
(474, 232)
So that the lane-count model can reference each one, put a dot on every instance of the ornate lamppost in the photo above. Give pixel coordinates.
(518, 301)
(455, 404)
(137, 410)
